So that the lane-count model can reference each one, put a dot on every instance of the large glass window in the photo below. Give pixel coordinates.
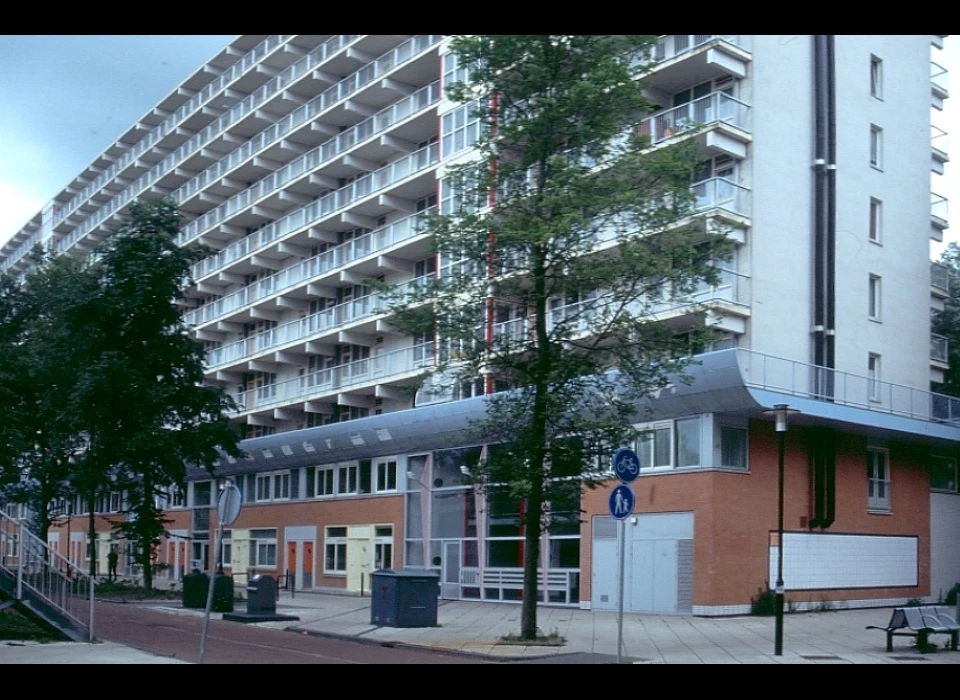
(733, 447)
(943, 473)
(878, 479)
(263, 549)
(335, 550)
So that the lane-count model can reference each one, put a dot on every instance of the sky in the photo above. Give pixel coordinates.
(67, 98)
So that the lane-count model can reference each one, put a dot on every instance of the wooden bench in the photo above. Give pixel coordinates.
(920, 622)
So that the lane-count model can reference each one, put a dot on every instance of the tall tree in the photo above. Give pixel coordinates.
(50, 314)
(947, 322)
(144, 407)
(556, 247)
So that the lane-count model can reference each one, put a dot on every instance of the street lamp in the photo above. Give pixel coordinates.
(780, 413)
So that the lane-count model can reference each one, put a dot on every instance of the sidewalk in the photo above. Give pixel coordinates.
(591, 636)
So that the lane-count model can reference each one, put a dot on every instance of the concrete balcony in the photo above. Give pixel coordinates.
(939, 357)
(938, 149)
(688, 59)
(398, 368)
(939, 285)
(939, 89)
(718, 121)
(938, 216)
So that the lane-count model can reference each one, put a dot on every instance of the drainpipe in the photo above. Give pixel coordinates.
(819, 233)
(831, 213)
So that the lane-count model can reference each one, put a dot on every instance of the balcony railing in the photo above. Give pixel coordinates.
(191, 105)
(307, 270)
(673, 45)
(938, 139)
(940, 277)
(306, 328)
(335, 379)
(710, 109)
(820, 383)
(938, 206)
(311, 160)
(720, 193)
(297, 71)
(938, 76)
(939, 348)
(362, 187)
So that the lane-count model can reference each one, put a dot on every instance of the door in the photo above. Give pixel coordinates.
(450, 570)
(653, 576)
(292, 562)
(306, 580)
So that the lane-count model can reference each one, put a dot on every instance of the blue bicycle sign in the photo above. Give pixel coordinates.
(626, 464)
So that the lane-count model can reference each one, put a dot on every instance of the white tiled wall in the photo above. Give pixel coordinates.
(819, 561)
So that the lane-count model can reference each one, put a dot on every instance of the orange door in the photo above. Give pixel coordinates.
(307, 581)
(292, 558)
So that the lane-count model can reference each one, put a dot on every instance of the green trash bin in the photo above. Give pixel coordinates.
(195, 590)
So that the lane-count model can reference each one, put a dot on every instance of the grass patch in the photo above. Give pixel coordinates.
(16, 626)
(554, 639)
(125, 590)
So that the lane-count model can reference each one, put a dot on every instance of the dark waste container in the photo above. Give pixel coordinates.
(195, 590)
(196, 587)
(404, 597)
(262, 595)
(222, 594)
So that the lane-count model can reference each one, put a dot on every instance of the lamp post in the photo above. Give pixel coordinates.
(780, 413)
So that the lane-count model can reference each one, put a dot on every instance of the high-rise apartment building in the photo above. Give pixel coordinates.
(306, 161)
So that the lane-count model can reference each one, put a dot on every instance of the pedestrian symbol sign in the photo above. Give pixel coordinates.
(622, 501)
(626, 465)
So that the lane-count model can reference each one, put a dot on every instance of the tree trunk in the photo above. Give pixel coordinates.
(144, 543)
(92, 534)
(531, 561)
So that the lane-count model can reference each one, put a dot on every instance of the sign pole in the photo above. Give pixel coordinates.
(626, 467)
(228, 510)
(623, 541)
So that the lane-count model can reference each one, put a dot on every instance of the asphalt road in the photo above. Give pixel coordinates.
(178, 636)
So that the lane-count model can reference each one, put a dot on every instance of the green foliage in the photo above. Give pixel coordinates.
(764, 604)
(109, 392)
(951, 598)
(914, 603)
(947, 322)
(567, 231)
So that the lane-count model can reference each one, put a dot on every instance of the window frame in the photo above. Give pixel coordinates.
(876, 147)
(873, 377)
(876, 77)
(875, 221)
(875, 480)
(378, 483)
(651, 450)
(258, 538)
(740, 429)
(943, 462)
(874, 297)
(339, 544)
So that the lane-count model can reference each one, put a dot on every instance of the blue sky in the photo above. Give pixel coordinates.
(67, 98)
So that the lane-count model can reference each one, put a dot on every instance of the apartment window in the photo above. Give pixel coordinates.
(876, 77)
(873, 376)
(878, 479)
(347, 479)
(876, 218)
(201, 493)
(226, 548)
(386, 476)
(383, 547)
(263, 549)
(672, 444)
(324, 480)
(273, 487)
(461, 129)
(335, 550)
(688, 442)
(873, 304)
(876, 147)
(943, 473)
(733, 447)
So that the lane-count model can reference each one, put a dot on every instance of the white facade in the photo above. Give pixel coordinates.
(304, 161)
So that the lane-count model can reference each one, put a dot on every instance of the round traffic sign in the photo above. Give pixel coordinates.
(228, 505)
(626, 464)
(622, 502)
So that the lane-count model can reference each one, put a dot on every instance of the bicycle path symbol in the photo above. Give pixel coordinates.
(626, 465)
